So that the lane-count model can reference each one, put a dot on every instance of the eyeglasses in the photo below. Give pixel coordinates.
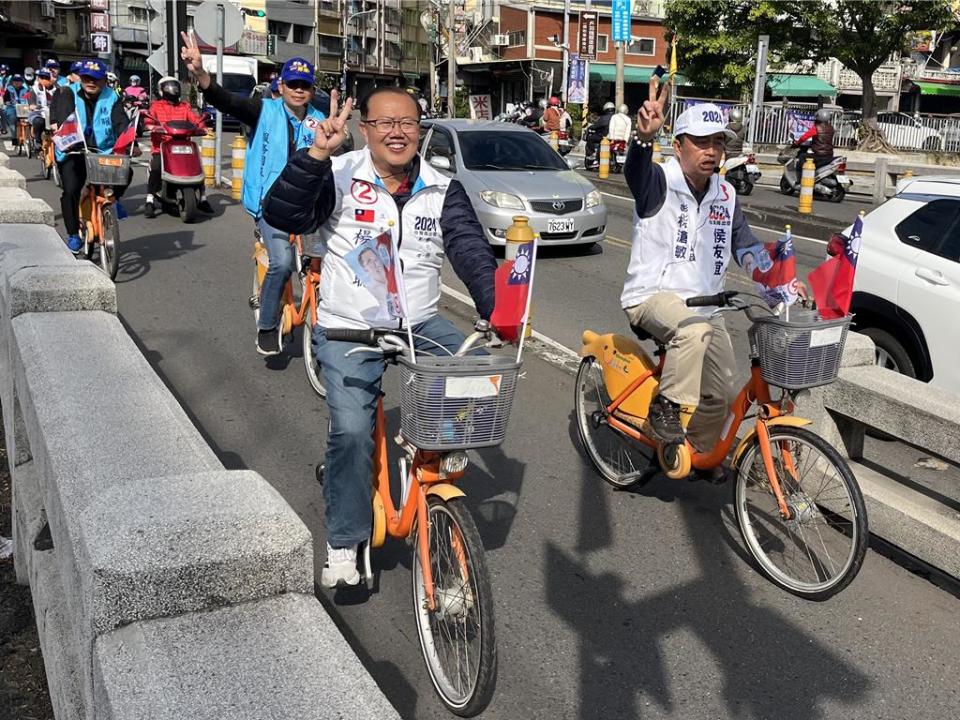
(298, 85)
(385, 125)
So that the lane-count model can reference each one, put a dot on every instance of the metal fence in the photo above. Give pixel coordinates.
(782, 124)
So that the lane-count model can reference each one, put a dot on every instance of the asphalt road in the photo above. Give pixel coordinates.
(609, 604)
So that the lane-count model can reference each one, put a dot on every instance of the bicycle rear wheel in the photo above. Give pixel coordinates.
(457, 639)
(818, 551)
(618, 459)
(309, 360)
(44, 167)
(110, 242)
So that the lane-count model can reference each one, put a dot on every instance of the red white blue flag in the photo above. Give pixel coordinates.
(832, 281)
(773, 267)
(513, 282)
(68, 134)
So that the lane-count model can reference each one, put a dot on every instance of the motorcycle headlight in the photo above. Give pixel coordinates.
(593, 199)
(501, 200)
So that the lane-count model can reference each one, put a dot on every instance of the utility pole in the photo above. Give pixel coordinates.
(618, 85)
(759, 83)
(451, 61)
(586, 79)
(566, 50)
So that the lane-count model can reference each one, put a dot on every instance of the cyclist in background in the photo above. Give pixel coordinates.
(4, 81)
(101, 119)
(53, 66)
(40, 98)
(279, 127)
(16, 93)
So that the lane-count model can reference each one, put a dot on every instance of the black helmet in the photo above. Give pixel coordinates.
(823, 115)
(169, 88)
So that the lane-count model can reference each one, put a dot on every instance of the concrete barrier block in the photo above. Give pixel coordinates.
(28, 517)
(858, 351)
(30, 245)
(906, 408)
(11, 178)
(73, 286)
(16, 206)
(278, 658)
(162, 547)
(4, 160)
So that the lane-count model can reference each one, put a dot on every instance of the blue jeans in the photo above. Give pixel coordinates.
(281, 257)
(353, 387)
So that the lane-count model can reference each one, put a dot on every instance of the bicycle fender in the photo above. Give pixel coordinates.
(445, 491)
(788, 420)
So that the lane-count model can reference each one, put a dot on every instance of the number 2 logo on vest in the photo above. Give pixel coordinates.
(363, 192)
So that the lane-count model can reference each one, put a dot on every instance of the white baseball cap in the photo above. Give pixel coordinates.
(701, 120)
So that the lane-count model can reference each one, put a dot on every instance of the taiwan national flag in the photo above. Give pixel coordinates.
(68, 134)
(127, 138)
(832, 281)
(514, 279)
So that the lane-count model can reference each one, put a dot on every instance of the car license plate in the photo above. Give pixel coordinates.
(560, 226)
(753, 169)
(621, 159)
(182, 149)
(843, 180)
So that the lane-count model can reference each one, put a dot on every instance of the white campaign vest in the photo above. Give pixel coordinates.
(364, 209)
(685, 247)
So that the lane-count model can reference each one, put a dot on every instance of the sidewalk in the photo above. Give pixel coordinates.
(769, 208)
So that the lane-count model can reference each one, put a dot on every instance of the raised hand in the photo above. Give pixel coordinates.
(652, 114)
(332, 132)
(190, 54)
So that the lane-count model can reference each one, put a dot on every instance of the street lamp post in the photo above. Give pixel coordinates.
(346, 23)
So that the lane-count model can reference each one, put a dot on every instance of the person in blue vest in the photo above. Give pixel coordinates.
(279, 127)
(73, 77)
(4, 81)
(53, 66)
(16, 93)
(101, 119)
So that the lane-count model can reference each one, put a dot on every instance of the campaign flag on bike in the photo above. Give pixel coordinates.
(127, 138)
(68, 134)
(832, 281)
(513, 282)
(773, 267)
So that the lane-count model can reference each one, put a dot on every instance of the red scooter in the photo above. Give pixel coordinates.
(181, 172)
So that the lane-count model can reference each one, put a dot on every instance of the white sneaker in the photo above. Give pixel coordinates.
(340, 568)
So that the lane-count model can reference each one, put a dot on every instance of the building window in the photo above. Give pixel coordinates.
(642, 46)
(330, 45)
(303, 34)
(139, 15)
(602, 41)
(60, 22)
(280, 29)
(517, 37)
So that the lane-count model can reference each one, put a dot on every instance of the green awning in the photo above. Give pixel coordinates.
(932, 88)
(631, 73)
(798, 86)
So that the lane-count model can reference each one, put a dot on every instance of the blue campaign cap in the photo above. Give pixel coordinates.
(75, 66)
(97, 69)
(16, 77)
(4, 68)
(53, 64)
(42, 73)
(297, 69)
(275, 85)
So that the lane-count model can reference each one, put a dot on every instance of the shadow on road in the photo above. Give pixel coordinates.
(768, 665)
(137, 253)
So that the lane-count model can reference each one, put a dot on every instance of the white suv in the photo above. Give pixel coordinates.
(907, 285)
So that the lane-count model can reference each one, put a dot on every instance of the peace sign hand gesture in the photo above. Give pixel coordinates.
(332, 132)
(651, 115)
(190, 54)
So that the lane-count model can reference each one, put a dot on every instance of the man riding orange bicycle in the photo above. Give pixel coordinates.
(687, 224)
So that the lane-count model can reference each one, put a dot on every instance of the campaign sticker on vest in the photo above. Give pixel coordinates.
(374, 263)
(719, 214)
(425, 227)
(363, 192)
(311, 123)
(365, 215)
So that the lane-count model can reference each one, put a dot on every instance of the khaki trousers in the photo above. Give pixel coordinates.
(699, 367)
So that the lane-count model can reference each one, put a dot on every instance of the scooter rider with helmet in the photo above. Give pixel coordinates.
(135, 89)
(279, 127)
(733, 145)
(596, 132)
(820, 136)
(552, 115)
(168, 108)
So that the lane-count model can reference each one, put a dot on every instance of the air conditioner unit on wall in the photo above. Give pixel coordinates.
(476, 54)
(47, 9)
(500, 40)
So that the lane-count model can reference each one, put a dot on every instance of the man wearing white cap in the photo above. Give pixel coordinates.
(685, 225)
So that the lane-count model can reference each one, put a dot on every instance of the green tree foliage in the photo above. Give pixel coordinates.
(718, 40)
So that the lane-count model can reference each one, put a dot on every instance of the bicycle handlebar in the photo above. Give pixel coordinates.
(367, 336)
(721, 299)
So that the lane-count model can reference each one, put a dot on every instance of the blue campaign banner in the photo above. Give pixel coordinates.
(621, 21)
(576, 80)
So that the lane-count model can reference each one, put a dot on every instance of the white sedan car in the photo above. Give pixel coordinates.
(907, 285)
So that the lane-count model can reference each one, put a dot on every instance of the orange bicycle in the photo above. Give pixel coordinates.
(448, 404)
(294, 314)
(48, 165)
(24, 135)
(99, 226)
(796, 501)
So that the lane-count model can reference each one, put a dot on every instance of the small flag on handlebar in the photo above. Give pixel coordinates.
(832, 280)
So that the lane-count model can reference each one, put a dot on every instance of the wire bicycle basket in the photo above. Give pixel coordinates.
(104, 169)
(456, 403)
(799, 353)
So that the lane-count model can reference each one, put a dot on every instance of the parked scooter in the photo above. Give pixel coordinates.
(181, 171)
(742, 172)
(830, 181)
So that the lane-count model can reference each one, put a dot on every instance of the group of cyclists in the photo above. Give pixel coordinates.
(687, 223)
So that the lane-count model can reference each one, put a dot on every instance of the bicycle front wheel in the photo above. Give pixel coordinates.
(818, 550)
(110, 242)
(309, 359)
(457, 638)
(618, 459)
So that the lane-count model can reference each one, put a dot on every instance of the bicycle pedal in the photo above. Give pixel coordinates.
(254, 302)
